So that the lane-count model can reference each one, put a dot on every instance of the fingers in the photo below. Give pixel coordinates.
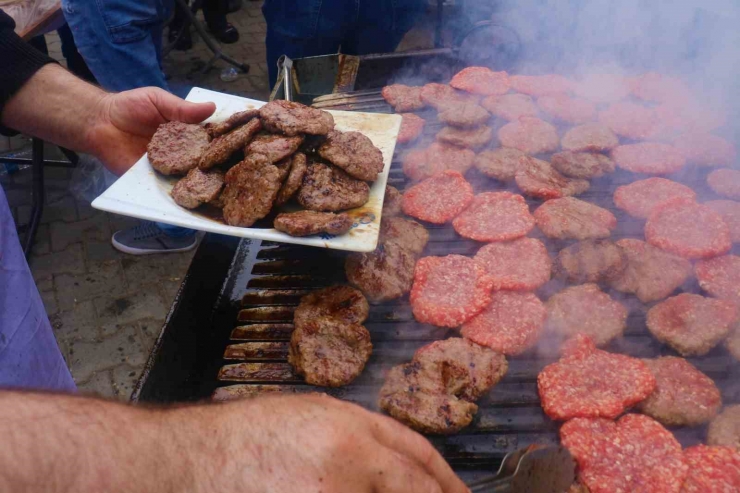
(392, 472)
(173, 108)
(403, 440)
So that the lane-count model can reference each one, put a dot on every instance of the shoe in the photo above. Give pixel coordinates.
(147, 238)
(226, 34)
(184, 43)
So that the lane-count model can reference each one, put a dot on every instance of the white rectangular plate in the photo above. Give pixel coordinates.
(143, 193)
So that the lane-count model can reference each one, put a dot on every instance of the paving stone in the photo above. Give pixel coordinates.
(42, 243)
(90, 356)
(18, 196)
(144, 270)
(118, 222)
(80, 323)
(124, 380)
(102, 279)
(50, 302)
(170, 288)
(100, 384)
(86, 211)
(45, 285)
(102, 251)
(150, 330)
(94, 228)
(69, 261)
(64, 209)
(124, 309)
(22, 214)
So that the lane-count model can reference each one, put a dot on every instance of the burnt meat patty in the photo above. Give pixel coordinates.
(326, 188)
(354, 153)
(292, 119)
(275, 147)
(251, 188)
(177, 147)
(198, 187)
(305, 223)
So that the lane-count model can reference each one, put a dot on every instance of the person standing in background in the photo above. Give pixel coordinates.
(214, 12)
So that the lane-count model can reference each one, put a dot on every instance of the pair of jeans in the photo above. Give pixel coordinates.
(303, 28)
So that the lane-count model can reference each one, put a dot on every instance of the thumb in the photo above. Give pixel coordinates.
(173, 108)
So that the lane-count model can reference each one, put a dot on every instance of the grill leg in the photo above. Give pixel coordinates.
(38, 195)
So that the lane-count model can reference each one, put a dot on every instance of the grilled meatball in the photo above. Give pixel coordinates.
(384, 274)
(590, 261)
(392, 202)
(274, 146)
(582, 164)
(235, 120)
(326, 188)
(405, 233)
(177, 147)
(343, 303)
(197, 188)
(221, 148)
(500, 163)
(471, 138)
(465, 115)
(292, 119)
(354, 153)
(251, 188)
(294, 178)
(306, 223)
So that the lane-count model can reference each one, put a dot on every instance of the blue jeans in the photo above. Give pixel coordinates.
(302, 28)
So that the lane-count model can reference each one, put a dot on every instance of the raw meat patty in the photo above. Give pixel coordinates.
(438, 157)
(589, 137)
(725, 182)
(567, 109)
(652, 158)
(572, 219)
(275, 147)
(631, 120)
(466, 115)
(291, 119)
(510, 324)
(688, 229)
(590, 383)
(306, 223)
(197, 188)
(585, 309)
(411, 127)
(294, 179)
(442, 96)
(730, 212)
(632, 455)
(406, 233)
(438, 199)
(691, 324)
(354, 153)
(732, 343)
(470, 138)
(724, 430)
(705, 149)
(403, 98)
(235, 120)
(657, 87)
(329, 352)
(538, 178)
(530, 135)
(603, 88)
(392, 202)
(494, 216)
(683, 395)
(500, 163)
(640, 198)
(221, 148)
(539, 85)
(481, 80)
(342, 303)
(251, 188)
(326, 188)
(177, 147)
(720, 277)
(584, 165)
(449, 290)
(521, 265)
(510, 106)
(712, 469)
(384, 274)
(590, 261)
(651, 273)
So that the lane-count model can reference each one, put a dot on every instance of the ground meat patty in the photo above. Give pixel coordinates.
(640, 198)
(438, 199)
(730, 212)
(354, 153)
(197, 188)
(572, 219)
(275, 147)
(251, 188)
(500, 163)
(466, 115)
(481, 80)
(725, 428)
(593, 137)
(438, 157)
(294, 179)
(630, 120)
(403, 98)
(221, 148)
(567, 109)
(342, 303)
(411, 127)
(586, 309)
(326, 188)
(688, 229)
(651, 273)
(691, 324)
(306, 223)
(520, 265)
(657, 87)
(177, 147)
(391, 202)
(291, 118)
(705, 149)
(603, 88)
(590, 383)
(407, 234)
(537, 178)
(329, 352)
(590, 261)
(720, 277)
(495, 216)
(510, 324)
(585, 165)
(470, 138)
(235, 120)
(725, 182)
(449, 290)
(530, 135)
(683, 395)
(415, 394)
(712, 469)
(540, 85)
(284, 166)
(510, 106)
(633, 455)
(652, 158)
(732, 343)
(442, 96)
(384, 274)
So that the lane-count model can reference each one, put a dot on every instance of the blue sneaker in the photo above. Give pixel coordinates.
(147, 238)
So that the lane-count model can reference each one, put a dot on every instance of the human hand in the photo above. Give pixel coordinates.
(315, 443)
(125, 122)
